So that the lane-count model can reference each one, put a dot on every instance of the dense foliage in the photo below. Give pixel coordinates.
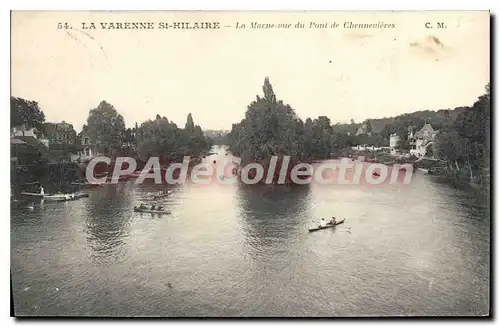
(25, 112)
(466, 142)
(164, 139)
(271, 127)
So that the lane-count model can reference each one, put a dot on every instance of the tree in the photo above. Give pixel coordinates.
(269, 128)
(164, 139)
(189, 123)
(106, 127)
(368, 127)
(268, 91)
(403, 142)
(450, 147)
(26, 112)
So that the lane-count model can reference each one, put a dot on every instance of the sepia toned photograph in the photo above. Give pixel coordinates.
(250, 164)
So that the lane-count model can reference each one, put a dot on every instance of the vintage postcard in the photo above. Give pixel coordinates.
(250, 164)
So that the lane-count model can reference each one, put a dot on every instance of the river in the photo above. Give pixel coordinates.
(229, 250)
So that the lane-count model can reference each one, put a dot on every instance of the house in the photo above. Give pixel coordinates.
(28, 133)
(88, 150)
(23, 130)
(421, 140)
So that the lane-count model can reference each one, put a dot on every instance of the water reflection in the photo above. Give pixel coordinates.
(272, 215)
(108, 213)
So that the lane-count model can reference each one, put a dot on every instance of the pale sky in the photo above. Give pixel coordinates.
(214, 74)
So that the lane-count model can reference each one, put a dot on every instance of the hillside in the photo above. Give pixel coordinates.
(386, 126)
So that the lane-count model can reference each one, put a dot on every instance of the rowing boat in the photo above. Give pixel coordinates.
(137, 209)
(327, 226)
(161, 195)
(32, 194)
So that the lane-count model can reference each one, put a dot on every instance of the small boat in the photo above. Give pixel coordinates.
(137, 209)
(327, 226)
(162, 195)
(59, 197)
(38, 195)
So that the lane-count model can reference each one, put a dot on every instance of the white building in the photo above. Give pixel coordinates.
(22, 130)
(393, 142)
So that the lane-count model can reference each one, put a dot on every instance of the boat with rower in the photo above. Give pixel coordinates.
(146, 210)
(51, 197)
(338, 222)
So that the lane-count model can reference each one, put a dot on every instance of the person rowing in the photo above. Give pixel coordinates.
(160, 208)
(322, 222)
(153, 207)
(142, 206)
(332, 221)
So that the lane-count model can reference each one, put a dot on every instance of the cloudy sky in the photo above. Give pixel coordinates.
(342, 73)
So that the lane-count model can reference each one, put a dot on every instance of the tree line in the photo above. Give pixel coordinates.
(271, 127)
(107, 132)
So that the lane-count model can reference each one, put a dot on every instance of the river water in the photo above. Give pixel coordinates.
(229, 250)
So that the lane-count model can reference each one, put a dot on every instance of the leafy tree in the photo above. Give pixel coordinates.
(164, 139)
(26, 112)
(189, 123)
(106, 127)
(269, 128)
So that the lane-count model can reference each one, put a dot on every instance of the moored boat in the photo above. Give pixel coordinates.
(327, 226)
(38, 195)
